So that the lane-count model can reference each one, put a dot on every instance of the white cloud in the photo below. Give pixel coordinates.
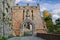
(53, 8)
(56, 16)
(17, 1)
(46, 6)
(43, 8)
(56, 11)
(29, 0)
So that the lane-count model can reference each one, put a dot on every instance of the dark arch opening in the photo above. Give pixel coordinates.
(30, 22)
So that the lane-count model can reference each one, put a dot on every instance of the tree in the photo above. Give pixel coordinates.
(50, 26)
(47, 16)
(48, 19)
(57, 31)
(45, 13)
(57, 26)
(58, 22)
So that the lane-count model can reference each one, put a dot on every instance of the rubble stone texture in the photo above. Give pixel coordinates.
(19, 14)
(15, 16)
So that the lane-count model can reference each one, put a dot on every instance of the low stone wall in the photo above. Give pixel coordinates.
(49, 36)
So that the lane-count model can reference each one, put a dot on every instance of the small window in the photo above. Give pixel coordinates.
(32, 11)
(23, 11)
(32, 14)
(44, 26)
(23, 14)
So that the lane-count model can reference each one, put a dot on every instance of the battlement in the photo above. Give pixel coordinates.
(29, 4)
(26, 7)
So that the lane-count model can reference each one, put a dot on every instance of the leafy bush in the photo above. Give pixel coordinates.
(57, 31)
(2, 38)
(10, 36)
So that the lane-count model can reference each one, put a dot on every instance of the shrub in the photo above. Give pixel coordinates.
(3, 38)
(10, 36)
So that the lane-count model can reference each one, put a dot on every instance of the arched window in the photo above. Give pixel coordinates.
(32, 14)
(44, 26)
(23, 14)
(32, 11)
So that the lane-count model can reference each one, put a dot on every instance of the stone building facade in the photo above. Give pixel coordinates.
(1, 22)
(6, 20)
(16, 15)
(5, 7)
(19, 15)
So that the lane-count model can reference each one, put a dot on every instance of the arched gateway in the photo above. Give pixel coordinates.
(29, 22)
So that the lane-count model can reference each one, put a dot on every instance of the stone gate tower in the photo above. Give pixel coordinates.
(19, 14)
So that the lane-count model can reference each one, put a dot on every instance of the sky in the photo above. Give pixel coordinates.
(52, 6)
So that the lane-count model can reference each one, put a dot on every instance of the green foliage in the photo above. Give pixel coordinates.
(58, 22)
(57, 31)
(48, 19)
(50, 25)
(10, 36)
(2, 38)
(26, 33)
(57, 26)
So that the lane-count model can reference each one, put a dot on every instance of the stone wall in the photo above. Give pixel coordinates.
(1, 20)
(19, 14)
(49, 36)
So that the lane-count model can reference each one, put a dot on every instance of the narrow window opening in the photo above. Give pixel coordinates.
(32, 14)
(23, 14)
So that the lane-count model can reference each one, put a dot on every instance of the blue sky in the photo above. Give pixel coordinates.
(53, 6)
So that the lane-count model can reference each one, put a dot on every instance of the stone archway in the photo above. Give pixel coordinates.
(26, 21)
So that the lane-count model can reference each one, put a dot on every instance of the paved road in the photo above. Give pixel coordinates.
(26, 38)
